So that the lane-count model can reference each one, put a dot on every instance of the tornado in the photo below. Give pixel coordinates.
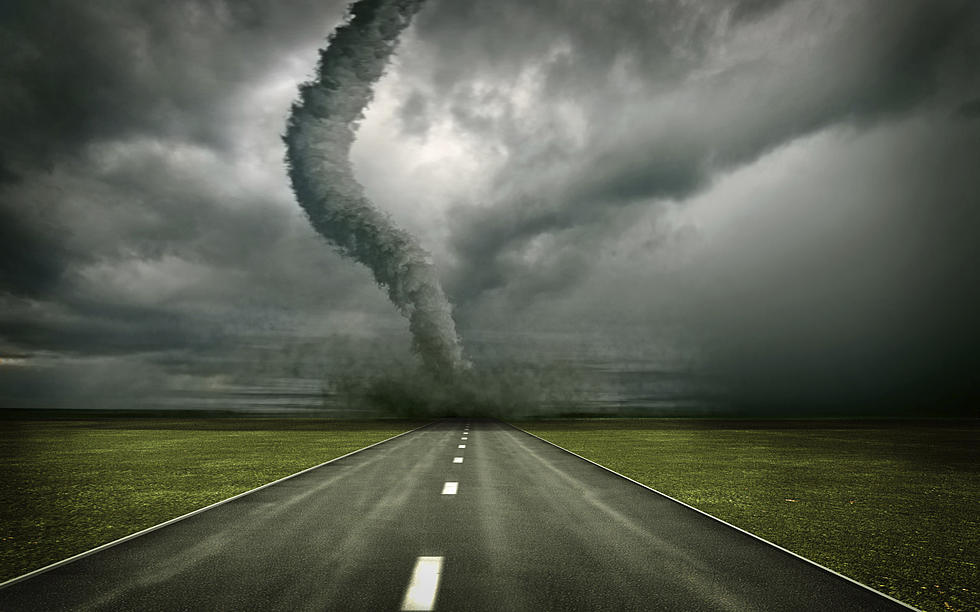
(319, 134)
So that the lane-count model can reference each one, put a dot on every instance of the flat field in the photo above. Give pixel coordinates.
(892, 504)
(69, 485)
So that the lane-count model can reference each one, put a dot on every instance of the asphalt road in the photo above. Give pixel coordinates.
(529, 527)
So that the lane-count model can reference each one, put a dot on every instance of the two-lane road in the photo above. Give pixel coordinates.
(498, 521)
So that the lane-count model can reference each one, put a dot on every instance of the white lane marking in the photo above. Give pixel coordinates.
(461, 446)
(457, 459)
(422, 588)
(450, 488)
(463, 438)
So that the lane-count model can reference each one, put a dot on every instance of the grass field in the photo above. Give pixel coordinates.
(891, 504)
(69, 485)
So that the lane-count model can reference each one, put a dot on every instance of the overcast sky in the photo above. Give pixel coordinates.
(788, 191)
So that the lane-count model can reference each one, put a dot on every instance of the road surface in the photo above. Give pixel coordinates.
(497, 521)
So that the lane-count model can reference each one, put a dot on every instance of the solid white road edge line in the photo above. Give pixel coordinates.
(450, 488)
(748, 533)
(457, 459)
(41, 570)
(422, 588)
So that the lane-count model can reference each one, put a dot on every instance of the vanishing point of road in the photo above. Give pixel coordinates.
(457, 515)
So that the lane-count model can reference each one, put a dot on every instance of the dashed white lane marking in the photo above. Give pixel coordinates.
(463, 438)
(450, 488)
(461, 446)
(422, 588)
(457, 459)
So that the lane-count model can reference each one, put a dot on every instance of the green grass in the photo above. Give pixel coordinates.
(890, 504)
(69, 485)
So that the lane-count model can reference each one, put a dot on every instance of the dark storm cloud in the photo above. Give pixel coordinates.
(144, 208)
(748, 10)
(125, 130)
(77, 72)
(33, 259)
(104, 329)
(969, 110)
(682, 115)
(870, 304)
(668, 100)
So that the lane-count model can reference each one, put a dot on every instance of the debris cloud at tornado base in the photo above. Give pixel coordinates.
(319, 135)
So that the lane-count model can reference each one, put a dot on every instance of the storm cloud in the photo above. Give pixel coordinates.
(777, 195)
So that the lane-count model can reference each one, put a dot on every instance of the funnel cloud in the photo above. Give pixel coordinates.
(319, 136)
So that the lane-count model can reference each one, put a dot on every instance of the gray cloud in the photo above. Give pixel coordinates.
(74, 73)
(598, 127)
(85, 81)
(667, 112)
(969, 109)
(143, 206)
(867, 302)
(623, 175)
